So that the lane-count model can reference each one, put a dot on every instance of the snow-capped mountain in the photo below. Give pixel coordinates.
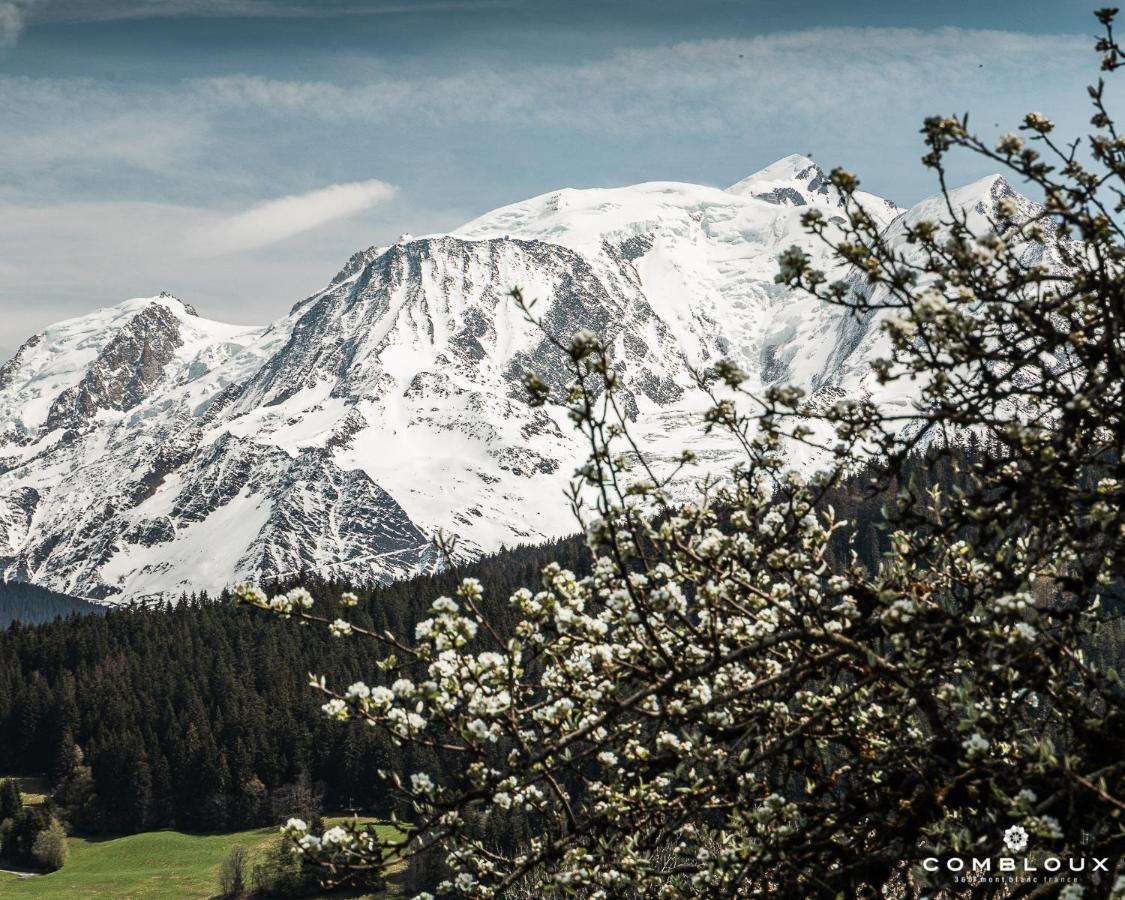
(147, 451)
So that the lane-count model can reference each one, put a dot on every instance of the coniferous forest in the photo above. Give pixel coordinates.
(197, 715)
(29, 603)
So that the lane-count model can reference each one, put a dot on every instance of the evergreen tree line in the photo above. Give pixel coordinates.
(31, 604)
(198, 715)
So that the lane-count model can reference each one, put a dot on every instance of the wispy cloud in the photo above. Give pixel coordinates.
(13, 18)
(840, 81)
(17, 15)
(713, 85)
(67, 259)
(110, 10)
(276, 220)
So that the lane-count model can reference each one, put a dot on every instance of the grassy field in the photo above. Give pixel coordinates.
(157, 864)
(151, 866)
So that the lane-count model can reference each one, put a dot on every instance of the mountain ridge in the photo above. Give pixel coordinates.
(145, 450)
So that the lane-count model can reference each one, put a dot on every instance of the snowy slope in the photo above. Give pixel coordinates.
(145, 451)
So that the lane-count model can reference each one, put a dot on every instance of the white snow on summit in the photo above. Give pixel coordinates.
(145, 451)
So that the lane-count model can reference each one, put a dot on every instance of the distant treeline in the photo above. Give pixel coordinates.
(31, 604)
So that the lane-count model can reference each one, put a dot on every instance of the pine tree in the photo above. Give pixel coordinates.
(11, 800)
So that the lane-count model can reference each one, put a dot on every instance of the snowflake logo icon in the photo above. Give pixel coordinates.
(1015, 838)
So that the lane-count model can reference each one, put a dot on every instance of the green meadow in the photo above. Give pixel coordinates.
(156, 865)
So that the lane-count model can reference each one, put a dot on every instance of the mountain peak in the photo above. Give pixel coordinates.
(977, 199)
(188, 308)
(794, 180)
(388, 405)
(794, 167)
(134, 305)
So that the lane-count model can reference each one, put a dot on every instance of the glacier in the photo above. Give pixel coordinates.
(146, 451)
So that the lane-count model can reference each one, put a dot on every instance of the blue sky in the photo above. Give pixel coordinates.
(236, 152)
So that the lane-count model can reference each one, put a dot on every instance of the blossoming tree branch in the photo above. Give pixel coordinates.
(716, 709)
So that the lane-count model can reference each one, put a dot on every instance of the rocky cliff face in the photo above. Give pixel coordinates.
(145, 451)
(125, 371)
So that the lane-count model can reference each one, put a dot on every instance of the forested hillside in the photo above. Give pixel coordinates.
(31, 604)
(198, 714)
